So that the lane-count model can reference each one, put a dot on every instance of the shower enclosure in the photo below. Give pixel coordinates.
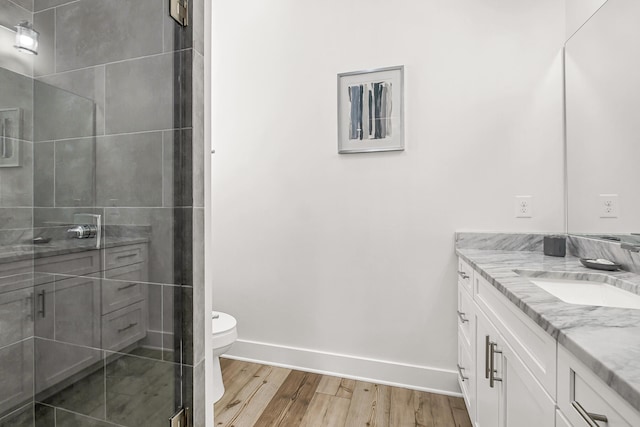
(101, 173)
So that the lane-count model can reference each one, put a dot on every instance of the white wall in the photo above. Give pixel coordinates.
(578, 12)
(353, 254)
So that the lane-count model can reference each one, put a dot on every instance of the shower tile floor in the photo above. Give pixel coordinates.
(134, 390)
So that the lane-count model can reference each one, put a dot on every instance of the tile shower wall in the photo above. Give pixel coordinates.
(117, 111)
(16, 216)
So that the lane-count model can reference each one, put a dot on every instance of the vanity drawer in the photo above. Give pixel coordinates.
(76, 264)
(125, 255)
(466, 318)
(467, 376)
(126, 289)
(465, 275)
(8, 269)
(578, 388)
(534, 346)
(124, 327)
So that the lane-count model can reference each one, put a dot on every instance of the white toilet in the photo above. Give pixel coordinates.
(224, 335)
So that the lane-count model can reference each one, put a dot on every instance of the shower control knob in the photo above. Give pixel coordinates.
(85, 231)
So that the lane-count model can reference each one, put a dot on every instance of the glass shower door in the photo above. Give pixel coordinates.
(95, 241)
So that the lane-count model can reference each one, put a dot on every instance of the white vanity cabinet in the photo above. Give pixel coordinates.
(516, 375)
(506, 392)
(585, 400)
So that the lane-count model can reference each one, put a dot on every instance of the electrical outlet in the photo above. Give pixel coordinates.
(609, 207)
(524, 206)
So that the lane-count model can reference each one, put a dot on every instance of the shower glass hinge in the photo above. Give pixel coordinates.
(180, 11)
(180, 419)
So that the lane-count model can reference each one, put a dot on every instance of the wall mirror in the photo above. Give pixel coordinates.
(602, 59)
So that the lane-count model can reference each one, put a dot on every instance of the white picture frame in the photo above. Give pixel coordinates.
(371, 110)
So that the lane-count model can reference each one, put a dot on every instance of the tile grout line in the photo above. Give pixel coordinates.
(105, 64)
(54, 7)
(104, 380)
(32, 12)
(55, 38)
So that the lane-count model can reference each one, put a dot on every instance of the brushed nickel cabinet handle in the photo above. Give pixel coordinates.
(463, 275)
(42, 299)
(461, 372)
(126, 256)
(493, 370)
(130, 285)
(588, 416)
(462, 317)
(487, 342)
(131, 325)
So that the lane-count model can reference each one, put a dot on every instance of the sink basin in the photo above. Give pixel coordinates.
(586, 292)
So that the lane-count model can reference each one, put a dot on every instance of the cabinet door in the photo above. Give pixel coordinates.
(487, 397)
(467, 377)
(16, 348)
(561, 420)
(525, 401)
(77, 311)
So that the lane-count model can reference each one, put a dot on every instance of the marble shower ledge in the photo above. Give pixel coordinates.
(605, 339)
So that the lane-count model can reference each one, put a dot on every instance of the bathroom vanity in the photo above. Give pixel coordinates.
(74, 299)
(527, 358)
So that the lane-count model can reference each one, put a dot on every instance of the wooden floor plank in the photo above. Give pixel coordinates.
(253, 398)
(329, 385)
(326, 411)
(441, 411)
(288, 406)
(236, 376)
(370, 404)
(403, 412)
(345, 389)
(459, 412)
(266, 396)
(422, 406)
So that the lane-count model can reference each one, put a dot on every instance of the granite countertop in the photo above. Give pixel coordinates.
(21, 252)
(605, 339)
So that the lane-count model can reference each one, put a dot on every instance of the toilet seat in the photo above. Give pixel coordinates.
(222, 323)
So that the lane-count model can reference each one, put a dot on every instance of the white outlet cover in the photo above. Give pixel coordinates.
(608, 206)
(523, 206)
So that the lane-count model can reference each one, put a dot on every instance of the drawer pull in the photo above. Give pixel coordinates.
(131, 325)
(487, 343)
(464, 275)
(43, 305)
(126, 256)
(492, 369)
(130, 285)
(462, 317)
(589, 417)
(461, 372)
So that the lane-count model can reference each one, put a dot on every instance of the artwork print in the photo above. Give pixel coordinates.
(370, 111)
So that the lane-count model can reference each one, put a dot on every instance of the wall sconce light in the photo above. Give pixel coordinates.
(26, 38)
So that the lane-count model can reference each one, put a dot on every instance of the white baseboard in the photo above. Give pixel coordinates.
(415, 377)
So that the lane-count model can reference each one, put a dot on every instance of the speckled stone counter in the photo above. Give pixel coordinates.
(605, 339)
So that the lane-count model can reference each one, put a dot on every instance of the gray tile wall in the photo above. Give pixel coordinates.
(16, 216)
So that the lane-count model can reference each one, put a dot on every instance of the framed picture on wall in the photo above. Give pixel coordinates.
(370, 110)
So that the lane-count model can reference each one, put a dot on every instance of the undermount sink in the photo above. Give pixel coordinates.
(587, 292)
